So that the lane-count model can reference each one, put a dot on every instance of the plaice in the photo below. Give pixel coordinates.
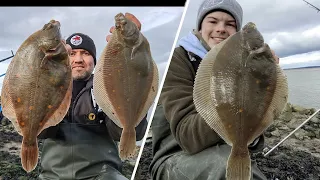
(239, 90)
(37, 87)
(126, 80)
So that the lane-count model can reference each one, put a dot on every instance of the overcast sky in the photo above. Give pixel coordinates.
(290, 27)
(159, 26)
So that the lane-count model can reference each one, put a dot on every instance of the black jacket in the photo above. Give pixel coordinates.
(83, 141)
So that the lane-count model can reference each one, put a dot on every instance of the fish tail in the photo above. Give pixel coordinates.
(29, 155)
(127, 143)
(239, 165)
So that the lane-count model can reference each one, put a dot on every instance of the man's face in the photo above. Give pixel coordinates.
(216, 27)
(82, 64)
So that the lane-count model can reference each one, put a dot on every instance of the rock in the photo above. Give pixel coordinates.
(312, 110)
(295, 122)
(315, 120)
(301, 134)
(303, 110)
(286, 116)
(288, 108)
(284, 127)
(276, 133)
(317, 133)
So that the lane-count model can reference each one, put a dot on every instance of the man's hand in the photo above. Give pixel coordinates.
(129, 16)
(67, 46)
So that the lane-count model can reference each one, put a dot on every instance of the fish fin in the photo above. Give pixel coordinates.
(132, 18)
(100, 92)
(152, 92)
(62, 110)
(202, 96)
(238, 165)
(29, 155)
(277, 105)
(7, 105)
(127, 143)
(280, 97)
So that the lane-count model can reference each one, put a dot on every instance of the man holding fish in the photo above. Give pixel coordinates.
(83, 144)
(184, 145)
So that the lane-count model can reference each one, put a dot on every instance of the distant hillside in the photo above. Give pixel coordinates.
(302, 67)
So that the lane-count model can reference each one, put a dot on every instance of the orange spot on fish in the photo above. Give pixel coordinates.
(229, 126)
(268, 88)
(40, 123)
(61, 87)
(18, 100)
(109, 74)
(240, 110)
(118, 107)
(49, 106)
(257, 81)
(113, 90)
(114, 52)
(31, 107)
(18, 75)
(118, 70)
(22, 123)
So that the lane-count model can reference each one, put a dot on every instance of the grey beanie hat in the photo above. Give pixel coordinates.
(231, 6)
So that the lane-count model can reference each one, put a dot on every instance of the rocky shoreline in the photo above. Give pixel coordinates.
(10, 165)
(297, 158)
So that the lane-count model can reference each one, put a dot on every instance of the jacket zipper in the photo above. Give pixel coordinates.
(76, 100)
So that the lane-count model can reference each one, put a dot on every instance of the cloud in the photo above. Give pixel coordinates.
(290, 27)
(301, 60)
(159, 26)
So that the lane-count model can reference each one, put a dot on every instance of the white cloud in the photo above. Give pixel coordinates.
(289, 27)
(159, 26)
(298, 41)
(158, 17)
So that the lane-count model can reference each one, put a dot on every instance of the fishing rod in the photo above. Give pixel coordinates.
(7, 57)
(291, 133)
(312, 6)
(5, 60)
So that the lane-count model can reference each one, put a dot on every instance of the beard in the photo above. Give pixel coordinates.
(81, 75)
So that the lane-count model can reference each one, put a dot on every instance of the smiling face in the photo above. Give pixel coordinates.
(82, 64)
(216, 27)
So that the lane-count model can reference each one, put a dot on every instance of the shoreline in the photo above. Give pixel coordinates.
(297, 158)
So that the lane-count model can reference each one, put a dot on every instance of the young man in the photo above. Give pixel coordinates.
(184, 146)
(83, 145)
